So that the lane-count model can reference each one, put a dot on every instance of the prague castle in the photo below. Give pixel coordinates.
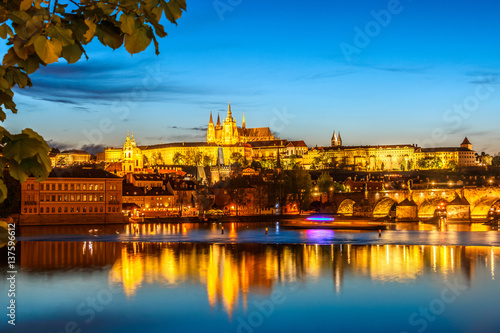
(229, 133)
(259, 144)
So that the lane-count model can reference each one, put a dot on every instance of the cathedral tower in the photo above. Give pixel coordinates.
(211, 130)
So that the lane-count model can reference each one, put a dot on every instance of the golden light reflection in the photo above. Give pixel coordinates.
(231, 272)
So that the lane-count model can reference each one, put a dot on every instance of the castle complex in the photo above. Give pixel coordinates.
(259, 144)
(230, 134)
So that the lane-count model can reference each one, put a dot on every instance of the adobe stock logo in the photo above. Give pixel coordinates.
(420, 320)
(363, 37)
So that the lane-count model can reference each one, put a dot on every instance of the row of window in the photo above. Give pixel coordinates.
(71, 197)
(48, 210)
(72, 187)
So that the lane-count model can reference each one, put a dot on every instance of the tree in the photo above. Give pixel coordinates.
(42, 32)
(237, 188)
(178, 159)
(298, 188)
(236, 158)
(61, 160)
(197, 159)
(207, 160)
(324, 182)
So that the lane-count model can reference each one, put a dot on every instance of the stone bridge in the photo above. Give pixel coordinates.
(457, 204)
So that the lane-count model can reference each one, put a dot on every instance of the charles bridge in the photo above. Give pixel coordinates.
(462, 204)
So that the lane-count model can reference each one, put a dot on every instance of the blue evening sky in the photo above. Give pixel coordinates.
(428, 75)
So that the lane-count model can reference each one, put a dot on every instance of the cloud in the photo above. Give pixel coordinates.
(93, 149)
(483, 77)
(413, 70)
(98, 82)
(199, 128)
(60, 145)
(326, 75)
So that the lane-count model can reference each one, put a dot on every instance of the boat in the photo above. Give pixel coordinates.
(324, 222)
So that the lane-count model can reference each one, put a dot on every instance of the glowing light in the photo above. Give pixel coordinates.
(320, 219)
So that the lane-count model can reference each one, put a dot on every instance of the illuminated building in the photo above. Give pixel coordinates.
(387, 157)
(72, 196)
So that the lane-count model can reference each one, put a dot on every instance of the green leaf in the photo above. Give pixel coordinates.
(21, 148)
(109, 34)
(89, 34)
(15, 75)
(49, 51)
(72, 53)
(5, 31)
(138, 41)
(173, 10)
(44, 147)
(64, 35)
(25, 4)
(17, 172)
(128, 23)
(31, 64)
(3, 191)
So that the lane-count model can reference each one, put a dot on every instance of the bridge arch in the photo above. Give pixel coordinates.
(346, 207)
(482, 208)
(384, 207)
(427, 209)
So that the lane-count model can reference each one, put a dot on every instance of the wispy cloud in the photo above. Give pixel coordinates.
(199, 128)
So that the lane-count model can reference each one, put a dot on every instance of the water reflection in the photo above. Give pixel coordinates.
(230, 272)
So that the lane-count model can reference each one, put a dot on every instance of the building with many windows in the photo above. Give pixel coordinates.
(72, 196)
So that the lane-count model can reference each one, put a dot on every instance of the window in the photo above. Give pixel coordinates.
(59, 198)
(101, 197)
(53, 209)
(66, 198)
(90, 209)
(91, 187)
(84, 187)
(59, 210)
(65, 187)
(109, 209)
(42, 198)
(65, 209)
(53, 187)
(59, 187)
(84, 210)
(72, 197)
(78, 197)
(42, 187)
(78, 209)
(78, 187)
(84, 197)
(71, 210)
(101, 187)
(72, 187)
(101, 209)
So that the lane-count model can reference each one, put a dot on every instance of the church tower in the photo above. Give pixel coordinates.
(466, 144)
(336, 140)
(243, 125)
(132, 159)
(229, 128)
(211, 130)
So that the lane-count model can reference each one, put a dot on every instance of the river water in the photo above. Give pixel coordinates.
(194, 278)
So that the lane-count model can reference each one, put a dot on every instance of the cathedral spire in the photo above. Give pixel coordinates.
(339, 140)
(128, 136)
(243, 125)
(218, 121)
(132, 139)
(211, 120)
(229, 113)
